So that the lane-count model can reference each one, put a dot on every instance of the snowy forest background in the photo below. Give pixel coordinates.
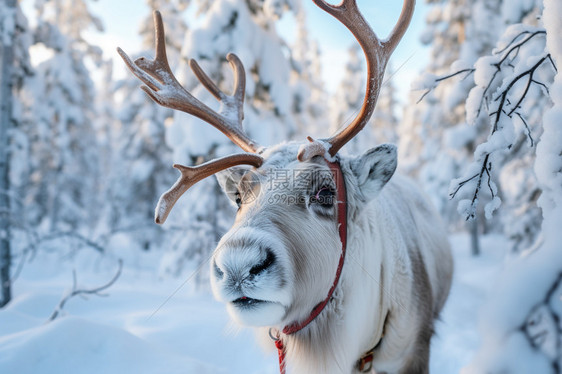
(84, 156)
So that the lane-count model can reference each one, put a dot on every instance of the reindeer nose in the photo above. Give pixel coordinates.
(265, 264)
(237, 267)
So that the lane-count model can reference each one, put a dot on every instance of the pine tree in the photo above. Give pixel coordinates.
(14, 67)
(309, 95)
(61, 97)
(106, 127)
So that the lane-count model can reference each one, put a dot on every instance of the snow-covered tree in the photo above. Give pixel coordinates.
(511, 89)
(60, 107)
(246, 28)
(520, 214)
(428, 157)
(506, 93)
(459, 32)
(521, 330)
(309, 94)
(106, 127)
(15, 39)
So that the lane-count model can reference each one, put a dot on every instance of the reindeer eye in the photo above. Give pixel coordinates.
(324, 197)
(238, 199)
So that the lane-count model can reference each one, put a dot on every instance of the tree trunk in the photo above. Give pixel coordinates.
(474, 238)
(6, 107)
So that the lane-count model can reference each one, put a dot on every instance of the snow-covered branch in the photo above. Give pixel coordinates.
(540, 326)
(521, 325)
(434, 81)
(503, 81)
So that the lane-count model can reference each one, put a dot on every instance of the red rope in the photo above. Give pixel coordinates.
(342, 228)
(281, 352)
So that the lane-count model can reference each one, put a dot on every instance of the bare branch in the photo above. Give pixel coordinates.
(525, 32)
(476, 194)
(503, 99)
(530, 73)
(92, 291)
(518, 46)
(445, 77)
(526, 127)
(552, 63)
(453, 194)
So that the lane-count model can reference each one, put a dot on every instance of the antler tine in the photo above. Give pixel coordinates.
(401, 26)
(163, 87)
(377, 53)
(234, 102)
(191, 175)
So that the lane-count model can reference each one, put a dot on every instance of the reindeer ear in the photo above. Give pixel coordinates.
(229, 180)
(374, 168)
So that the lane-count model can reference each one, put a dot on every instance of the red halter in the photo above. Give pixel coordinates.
(342, 228)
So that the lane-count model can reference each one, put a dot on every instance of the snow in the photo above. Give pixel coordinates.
(425, 82)
(132, 329)
(515, 304)
(512, 10)
(467, 208)
(136, 329)
(60, 347)
(492, 206)
(473, 104)
(457, 335)
(485, 70)
(549, 160)
(7, 24)
(516, 356)
(459, 136)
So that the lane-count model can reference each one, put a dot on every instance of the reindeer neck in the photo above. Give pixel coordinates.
(304, 333)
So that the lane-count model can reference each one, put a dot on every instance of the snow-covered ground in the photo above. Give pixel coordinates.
(130, 331)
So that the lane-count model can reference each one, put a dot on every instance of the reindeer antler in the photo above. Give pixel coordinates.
(377, 53)
(191, 175)
(163, 87)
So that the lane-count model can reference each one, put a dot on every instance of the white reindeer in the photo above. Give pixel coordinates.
(345, 275)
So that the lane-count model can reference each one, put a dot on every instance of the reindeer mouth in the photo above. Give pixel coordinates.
(248, 311)
(247, 302)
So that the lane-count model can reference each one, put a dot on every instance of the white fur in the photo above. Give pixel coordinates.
(390, 232)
